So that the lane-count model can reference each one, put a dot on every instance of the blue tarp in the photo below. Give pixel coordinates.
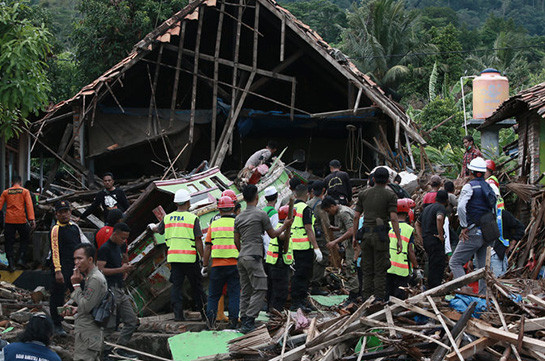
(461, 302)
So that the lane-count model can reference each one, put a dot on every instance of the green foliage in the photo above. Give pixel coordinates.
(446, 157)
(24, 86)
(435, 112)
(64, 75)
(326, 18)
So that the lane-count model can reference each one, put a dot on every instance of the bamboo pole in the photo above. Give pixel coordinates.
(177, 76)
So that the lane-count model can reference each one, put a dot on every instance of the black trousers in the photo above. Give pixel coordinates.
(178, 273)
(393, 282)
(58, 293)
(279, 281)
(24, 238)
(303, 274)
(437, 260)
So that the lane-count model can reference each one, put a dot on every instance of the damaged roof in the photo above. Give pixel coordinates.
(172, 26)
(531, 99)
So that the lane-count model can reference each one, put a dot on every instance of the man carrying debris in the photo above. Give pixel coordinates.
(90, 288)
(17, 200)
(322, 220)
(278, 261)
(262, 155)
(344, 220)
(338, 183)
(65, 237)
(303, 243)
(183, 238)
(110, 263)
(250, 224)
(220, 256)
(476, 199)
(400, 263)
(378, 205)
(108, 198)
(431, 228)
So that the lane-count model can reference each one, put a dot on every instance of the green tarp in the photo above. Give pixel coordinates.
(189, 346)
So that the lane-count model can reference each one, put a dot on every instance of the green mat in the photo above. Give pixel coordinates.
(331, 300)
(189, 346)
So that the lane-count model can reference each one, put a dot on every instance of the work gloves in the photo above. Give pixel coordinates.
(318, 254)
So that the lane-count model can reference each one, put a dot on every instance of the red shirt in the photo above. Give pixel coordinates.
(469, 155)
(429, 198)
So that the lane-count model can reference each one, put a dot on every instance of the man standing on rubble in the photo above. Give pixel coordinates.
(378, 205)
(90, 288)
(220, 256)
(250, 225)
(65, 237)
(344, 220)
(110, 263)
(108, 198)
(471, 153)
(338, 183)
(305, 249)
(17, 200)
(183, 238)
(322, 220)
(476, 199)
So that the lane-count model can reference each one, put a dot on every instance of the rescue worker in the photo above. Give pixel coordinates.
(229, 193)
(278, 261)
(271, 196)
(303, 242)
(476, 199)
(338, 183)
(65, 237)
(220, 257)
(261, 156)
(400, 263)
(344, 220)
(322, 220)
(489, 174)
(511, 231)
(90, 288)
(471, 152)
(183, 236)
(250, 224)
(378, 205)
(19, 209)
(110, 263)
(33, 342)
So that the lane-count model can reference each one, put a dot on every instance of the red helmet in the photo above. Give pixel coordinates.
(283, 212)
(490, 165)
(225, 202)
(493, 180)
(404, 205)
(229, 193)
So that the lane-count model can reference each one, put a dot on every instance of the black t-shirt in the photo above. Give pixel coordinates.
(111, 254)
(108, 200)
(307, 213)
(338, 185)
(428, 219)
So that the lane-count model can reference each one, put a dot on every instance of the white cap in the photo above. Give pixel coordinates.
(181, 196)
(270, 191)
(477, 165)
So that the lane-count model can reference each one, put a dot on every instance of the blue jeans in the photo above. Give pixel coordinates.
(219, 276)
(499, 266)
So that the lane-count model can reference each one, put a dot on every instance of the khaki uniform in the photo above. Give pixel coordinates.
(318, 271)
(344, 219)
(89, 337)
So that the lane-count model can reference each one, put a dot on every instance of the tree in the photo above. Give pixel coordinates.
(435, 112)
(24, 86)
(325, 18)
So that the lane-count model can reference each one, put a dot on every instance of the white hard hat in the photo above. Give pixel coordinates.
(270, 191)
(477, 165)
(181, 196)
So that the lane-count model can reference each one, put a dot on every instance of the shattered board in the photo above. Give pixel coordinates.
(192, 345)
(331, 300)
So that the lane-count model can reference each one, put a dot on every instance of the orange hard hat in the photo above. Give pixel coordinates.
(404, 205)
(490, 165)
(225, 202)
(229, 193)
(283, 212)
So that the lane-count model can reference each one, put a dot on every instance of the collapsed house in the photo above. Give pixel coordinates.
(215, 82)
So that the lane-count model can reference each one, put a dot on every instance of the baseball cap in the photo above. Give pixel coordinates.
(60, 205)
(435, 179)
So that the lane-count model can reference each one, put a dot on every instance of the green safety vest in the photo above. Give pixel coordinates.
(271, 211)
(179, 237)
(274, 250)
(399, 263)
(299, 238)
(223, 238)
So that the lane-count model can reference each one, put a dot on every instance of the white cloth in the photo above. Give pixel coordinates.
(266, 238)
(448, 247)
(258, 157)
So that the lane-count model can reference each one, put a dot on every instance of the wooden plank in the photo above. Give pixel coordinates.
(277, 69)
(195, 79)
(504, 324)
(282, 36)
(536, 300)
(447, 331)
(215, 85)
(534, 324)
(390, 321)
(292, 355)
(505, 336)
(472, 348)
(177, 76)
(152, 101)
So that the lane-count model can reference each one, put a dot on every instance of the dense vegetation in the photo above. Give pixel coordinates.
(417, 50)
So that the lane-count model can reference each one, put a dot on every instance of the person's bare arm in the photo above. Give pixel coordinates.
(418, 229)
(357, 216)
(237, 240)
(198, 244)
(395, 226)
(113, 271)
(412, 256)
(207, 252)
(311, 235)
(346, 235)
(273, 233)
(440, 223)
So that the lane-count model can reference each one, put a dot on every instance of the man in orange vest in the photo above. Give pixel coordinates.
(17, 200)
(183, 238)
(220, 253)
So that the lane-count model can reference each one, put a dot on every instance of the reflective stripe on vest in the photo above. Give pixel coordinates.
(223, 238)
(179, 237)
(499, 220)
(273, 250)
(399, 263)
(299, 238)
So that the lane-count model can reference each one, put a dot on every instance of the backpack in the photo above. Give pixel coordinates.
(104, 310)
